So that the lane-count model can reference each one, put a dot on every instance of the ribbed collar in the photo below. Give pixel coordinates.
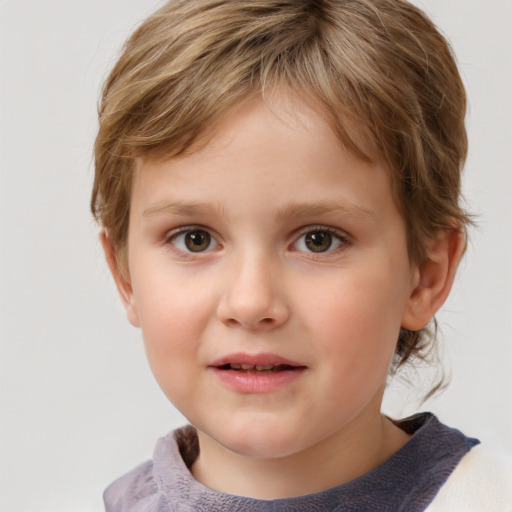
(407, 481)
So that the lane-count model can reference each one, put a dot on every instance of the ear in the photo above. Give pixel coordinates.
(122, 283)
(433, 279)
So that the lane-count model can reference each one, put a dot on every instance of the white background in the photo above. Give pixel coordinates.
(79, 406)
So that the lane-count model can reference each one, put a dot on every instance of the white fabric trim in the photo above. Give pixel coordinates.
(481, 482)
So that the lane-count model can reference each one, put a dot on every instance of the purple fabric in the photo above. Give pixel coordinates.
(408, 481)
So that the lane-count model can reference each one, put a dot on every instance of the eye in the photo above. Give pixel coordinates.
(193, 240)
(320, 240)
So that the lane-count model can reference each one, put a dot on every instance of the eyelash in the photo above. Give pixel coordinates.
(170, 239)
(336, 234)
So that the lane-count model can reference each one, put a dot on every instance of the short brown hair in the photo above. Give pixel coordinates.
(377, 66)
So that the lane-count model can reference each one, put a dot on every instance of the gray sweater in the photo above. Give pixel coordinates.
(408, 481)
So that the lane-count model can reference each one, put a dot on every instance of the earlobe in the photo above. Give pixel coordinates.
(433, 279)
(122, 283)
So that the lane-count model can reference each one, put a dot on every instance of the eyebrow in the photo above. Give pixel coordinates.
(291, 210)
(345, 209)
(180, 208)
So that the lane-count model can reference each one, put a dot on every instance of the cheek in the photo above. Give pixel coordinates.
(354, 346)
(356, 321)
(173, 317)
(170, 302)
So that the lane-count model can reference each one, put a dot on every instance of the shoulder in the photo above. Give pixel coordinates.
(482, 481)
(131, 489)
(149, 486)
(157, 483)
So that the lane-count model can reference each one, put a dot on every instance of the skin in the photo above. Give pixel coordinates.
(266, 178)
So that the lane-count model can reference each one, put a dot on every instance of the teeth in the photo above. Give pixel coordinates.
(248, 367)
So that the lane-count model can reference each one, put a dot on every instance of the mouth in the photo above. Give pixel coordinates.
(261, 373)
(257, 369)
(255, 363)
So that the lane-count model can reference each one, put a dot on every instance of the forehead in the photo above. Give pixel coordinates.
(284, 151)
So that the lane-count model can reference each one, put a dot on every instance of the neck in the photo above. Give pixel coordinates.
(343, 456)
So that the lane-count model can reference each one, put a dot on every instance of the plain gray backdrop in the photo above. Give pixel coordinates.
(79, 406)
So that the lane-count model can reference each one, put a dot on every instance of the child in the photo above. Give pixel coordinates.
(278, 185)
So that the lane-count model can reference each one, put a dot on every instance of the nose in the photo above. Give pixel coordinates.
(253, 296)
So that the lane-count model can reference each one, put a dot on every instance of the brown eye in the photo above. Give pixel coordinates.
(318, 241)
(197, 241)
(193, 240)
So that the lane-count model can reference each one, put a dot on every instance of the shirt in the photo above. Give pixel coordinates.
(408, 481)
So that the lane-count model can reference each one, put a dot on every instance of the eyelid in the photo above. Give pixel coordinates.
(342, 236)
(170, 236)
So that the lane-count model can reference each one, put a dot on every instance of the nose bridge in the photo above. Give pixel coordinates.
(254, 296)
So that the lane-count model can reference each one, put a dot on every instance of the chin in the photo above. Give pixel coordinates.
(260, 443)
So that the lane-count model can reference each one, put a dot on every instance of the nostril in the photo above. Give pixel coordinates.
(252, 311)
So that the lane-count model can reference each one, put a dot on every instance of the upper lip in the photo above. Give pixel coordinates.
(254, 359)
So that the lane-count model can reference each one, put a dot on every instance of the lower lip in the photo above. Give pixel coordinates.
(258, 383)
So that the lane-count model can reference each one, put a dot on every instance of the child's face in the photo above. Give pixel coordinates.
(271, 245)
